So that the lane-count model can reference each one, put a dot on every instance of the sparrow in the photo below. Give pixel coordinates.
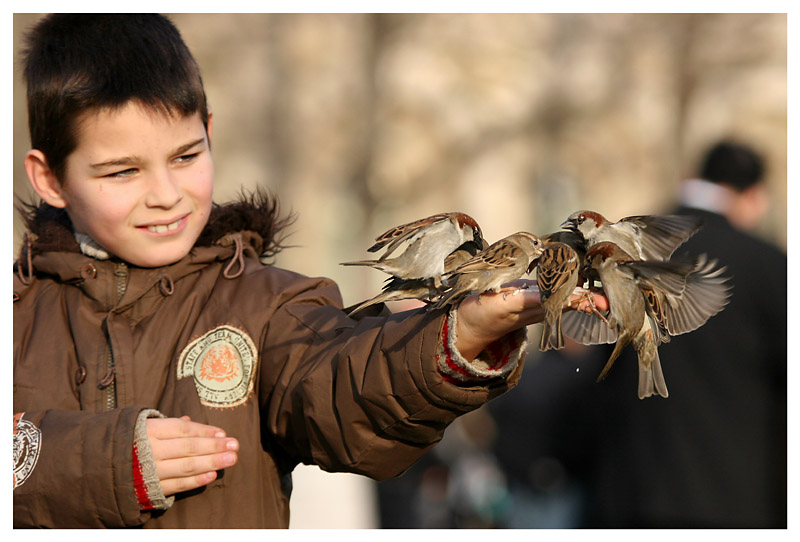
(645, 237)
(628, 315)
(397, 289)
(501, 262)
(558, 273)
(650, 301)
(427, 241)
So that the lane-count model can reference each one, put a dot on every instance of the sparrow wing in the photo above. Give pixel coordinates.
(706, 293)
(395, 236)
(587, 328)
(660, 235)
(665, 276)
(654, 305)
(500, 255)
(687, 294)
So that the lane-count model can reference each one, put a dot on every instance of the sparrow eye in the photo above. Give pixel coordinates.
(581, 219)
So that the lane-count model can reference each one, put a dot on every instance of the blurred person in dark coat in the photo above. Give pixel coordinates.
(714, 453)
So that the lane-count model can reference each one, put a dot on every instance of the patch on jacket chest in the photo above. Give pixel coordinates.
(27, 444)
(222, 362)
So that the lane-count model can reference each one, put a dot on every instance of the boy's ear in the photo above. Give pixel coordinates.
(43, 179)
(208, 126)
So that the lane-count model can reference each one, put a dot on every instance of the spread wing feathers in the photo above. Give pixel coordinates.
(682, 296)
(662, 234)
(587, 328)
(392, 238)
(706, 294)
(556, 266)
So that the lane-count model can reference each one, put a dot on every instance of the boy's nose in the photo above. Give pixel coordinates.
(164, 191)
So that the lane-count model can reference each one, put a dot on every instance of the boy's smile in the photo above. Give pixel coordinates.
(140, 183)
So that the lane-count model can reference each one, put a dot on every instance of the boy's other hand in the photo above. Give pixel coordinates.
(188, 454)
(482, 319)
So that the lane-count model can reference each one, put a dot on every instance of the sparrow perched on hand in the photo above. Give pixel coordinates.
(428, 242)
(558, 273)
(397, 289)
(647, 237)
(501, 262)
(651, 301)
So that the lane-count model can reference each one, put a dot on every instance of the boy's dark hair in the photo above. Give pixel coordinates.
(733, 164)
(75, 63)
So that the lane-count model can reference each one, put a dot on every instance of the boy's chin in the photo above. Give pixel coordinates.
(156, 259)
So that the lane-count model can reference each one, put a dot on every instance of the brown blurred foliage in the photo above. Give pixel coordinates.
(360, 122)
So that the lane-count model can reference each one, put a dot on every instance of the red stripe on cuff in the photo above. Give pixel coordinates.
(448, 359)
(138, 483)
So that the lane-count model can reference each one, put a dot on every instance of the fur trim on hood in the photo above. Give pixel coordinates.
(50, 229)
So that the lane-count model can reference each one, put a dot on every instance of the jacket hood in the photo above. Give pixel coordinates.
(255, 215)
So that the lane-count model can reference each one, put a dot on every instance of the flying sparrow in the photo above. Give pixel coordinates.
(501, 262)
(427, 243)
(629, 317)
(650, 301)
(646, 237)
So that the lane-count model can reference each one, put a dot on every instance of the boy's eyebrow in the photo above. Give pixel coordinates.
(127, 160)
(182, 149)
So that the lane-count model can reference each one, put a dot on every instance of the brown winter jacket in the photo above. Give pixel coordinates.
(264, 353)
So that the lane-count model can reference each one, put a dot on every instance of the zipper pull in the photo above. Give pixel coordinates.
(107, 379)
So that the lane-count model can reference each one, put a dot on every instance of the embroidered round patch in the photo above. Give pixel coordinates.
(27, 444)
(222, 363)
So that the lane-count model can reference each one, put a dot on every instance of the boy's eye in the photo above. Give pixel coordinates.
(120, 174)
(186, 157)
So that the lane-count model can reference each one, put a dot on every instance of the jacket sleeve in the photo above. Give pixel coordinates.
(73, 469)
(365, 396)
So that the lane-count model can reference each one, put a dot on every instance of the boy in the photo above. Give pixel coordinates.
(165, 377)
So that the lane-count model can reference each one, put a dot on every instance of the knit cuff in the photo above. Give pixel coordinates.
(145, 478)
(497, 360)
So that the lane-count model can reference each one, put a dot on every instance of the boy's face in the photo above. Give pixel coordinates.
(140, 183)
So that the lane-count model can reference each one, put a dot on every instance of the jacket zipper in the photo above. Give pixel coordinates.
(108, 382)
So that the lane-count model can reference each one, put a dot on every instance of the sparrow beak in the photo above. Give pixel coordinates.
(569, 224)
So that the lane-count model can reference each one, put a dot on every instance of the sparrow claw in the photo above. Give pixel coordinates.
(586, 295)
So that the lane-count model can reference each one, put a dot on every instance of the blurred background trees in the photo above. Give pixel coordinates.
(359, 122)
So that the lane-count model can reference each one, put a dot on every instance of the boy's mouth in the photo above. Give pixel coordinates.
(164, 228)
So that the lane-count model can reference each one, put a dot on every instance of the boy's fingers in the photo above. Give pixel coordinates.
(187, 467)
(169, 428)
(177, 485)
(191, 447)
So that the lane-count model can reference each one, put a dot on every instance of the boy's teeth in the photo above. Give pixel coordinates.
(161, 228)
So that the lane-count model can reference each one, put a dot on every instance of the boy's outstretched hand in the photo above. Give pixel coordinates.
(188, 454)
(482, 319)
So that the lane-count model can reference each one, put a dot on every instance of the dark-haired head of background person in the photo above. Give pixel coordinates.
(730, 183)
